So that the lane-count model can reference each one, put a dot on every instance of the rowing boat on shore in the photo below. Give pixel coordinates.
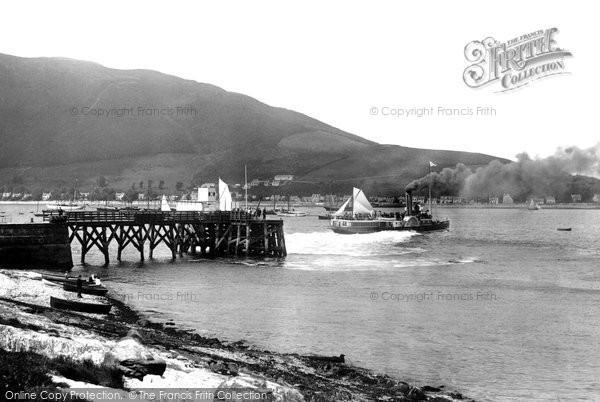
(59, 278)
(74, 305)
(71, 280)
(86, 289)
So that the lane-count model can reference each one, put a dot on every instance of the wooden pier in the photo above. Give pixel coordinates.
(206, 233)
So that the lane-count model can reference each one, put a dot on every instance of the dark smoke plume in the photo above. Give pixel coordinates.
(527, 177)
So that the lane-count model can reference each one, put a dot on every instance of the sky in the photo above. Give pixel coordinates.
(346, 63)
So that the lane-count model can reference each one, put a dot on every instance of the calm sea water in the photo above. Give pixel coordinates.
(501, 307)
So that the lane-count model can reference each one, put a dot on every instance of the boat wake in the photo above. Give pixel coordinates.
(358, 245)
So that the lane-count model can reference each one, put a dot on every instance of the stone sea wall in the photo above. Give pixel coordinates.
(42, 244)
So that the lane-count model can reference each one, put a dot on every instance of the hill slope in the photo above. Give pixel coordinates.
(50, 132)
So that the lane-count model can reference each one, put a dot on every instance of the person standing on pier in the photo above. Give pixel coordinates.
(264, 213)
(79, 286)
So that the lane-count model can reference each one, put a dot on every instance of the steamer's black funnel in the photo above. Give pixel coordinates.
(409, 203)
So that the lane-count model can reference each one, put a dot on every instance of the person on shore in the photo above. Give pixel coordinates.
(79, 286)
(66, 274)
(258, 211)
(264, 212)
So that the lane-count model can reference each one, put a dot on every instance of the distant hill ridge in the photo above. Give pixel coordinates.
(45, 138)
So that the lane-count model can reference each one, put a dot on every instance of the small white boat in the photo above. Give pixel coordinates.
(533, 206)
(291, 213)
(65, 207)
(164, 205)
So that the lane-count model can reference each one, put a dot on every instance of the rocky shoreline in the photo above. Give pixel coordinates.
(118, 342)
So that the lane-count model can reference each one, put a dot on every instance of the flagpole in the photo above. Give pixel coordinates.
(246, 185)
(430, 208)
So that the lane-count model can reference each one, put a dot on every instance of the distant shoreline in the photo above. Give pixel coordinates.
(518, 206)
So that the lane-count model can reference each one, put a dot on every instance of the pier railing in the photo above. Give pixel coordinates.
(143, 217)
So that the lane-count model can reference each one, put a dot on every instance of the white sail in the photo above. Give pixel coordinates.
(360, 203)
(342, 208)
(224, 196)
(164, 205)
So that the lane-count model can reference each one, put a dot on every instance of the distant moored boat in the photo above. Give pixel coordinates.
(65, 207)
(291, 213)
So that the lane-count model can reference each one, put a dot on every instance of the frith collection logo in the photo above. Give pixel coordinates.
(514, 63)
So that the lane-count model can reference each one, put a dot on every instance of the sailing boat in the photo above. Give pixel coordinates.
(291, 212)
(329, 208)
(64, 207)
(164, 204)
(364, 219)
(225, 201)
(533, 206)
(71, 206)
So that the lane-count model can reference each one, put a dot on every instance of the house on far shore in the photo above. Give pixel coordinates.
(493, 200)
(537, 200)
(507, 199)
(576, 197)
(119, 196)
(596, 198)
(46, 196)
(550, 200)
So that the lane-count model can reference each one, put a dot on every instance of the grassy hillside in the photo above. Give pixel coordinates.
(50, 132)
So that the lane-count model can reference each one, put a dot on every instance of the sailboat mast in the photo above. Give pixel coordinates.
(246, 184)
(74, 192)
(430, 178)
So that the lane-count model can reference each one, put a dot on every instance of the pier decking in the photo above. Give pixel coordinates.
(207, 233)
